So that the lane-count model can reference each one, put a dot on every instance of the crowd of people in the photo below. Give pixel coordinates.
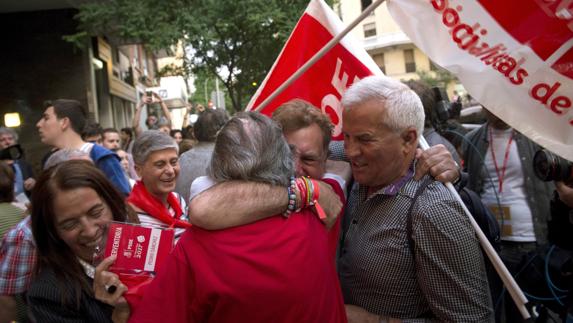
(273, 221)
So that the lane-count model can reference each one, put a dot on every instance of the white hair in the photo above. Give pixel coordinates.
(8, 131)
(402, 105)
(149, 142)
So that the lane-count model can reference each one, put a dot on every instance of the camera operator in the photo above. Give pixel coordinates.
(559, 259)
(24, 176)
(436, 114)
(550, 167)
(565, 193)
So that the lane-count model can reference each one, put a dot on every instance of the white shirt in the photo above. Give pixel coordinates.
(519, 225)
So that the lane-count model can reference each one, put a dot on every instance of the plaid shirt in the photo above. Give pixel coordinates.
(445, 278)
(17, 259)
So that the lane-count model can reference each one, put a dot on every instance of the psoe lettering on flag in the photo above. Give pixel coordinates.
(514, 56)
(325, 82)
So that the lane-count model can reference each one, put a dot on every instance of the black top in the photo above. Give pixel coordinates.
(45, 302)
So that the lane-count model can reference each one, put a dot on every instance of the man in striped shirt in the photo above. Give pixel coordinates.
(409, 252)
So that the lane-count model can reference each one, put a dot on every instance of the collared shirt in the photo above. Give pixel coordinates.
(445, 278)
(18, 179)
(17, 259)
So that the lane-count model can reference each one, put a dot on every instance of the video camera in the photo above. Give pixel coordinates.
(550, 167)
(444, 109)
(11, 153)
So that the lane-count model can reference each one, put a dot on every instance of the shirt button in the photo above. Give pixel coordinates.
(354, 221)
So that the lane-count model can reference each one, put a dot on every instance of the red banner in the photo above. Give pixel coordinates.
(514, 56)
(325, 82)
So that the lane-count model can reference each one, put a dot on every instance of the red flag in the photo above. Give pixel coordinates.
(514, 56)
(325, 82)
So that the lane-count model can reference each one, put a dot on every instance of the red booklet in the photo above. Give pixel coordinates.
(138, 248)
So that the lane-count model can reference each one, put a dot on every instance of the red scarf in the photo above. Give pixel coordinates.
(141, 198)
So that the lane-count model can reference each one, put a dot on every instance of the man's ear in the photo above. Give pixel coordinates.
(138, 170)
(410, 139)
(64, 123)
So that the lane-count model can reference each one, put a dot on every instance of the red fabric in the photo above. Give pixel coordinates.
(141, 198)
(136, 286)
(316, 85)
(274, 270)
(334, 233)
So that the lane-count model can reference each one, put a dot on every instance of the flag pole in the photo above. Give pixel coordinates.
(515, 292)
(318, 55)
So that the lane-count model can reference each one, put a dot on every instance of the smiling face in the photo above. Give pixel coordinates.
(378, 155)
(159, 172)
(81, 217)
(308, 151)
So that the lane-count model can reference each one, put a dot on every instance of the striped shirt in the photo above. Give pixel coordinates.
(147, 220)
(444, 279)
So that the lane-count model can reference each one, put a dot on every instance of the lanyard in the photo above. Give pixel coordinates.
(505, 158)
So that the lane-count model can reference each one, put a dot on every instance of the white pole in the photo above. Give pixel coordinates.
(319, 54)
(206, 98)
(516, 293)
(217, 92)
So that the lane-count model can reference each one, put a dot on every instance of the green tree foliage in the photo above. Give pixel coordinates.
(440, 77)
(238, 39)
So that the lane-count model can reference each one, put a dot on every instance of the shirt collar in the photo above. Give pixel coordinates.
(393, 188)
(88, 269)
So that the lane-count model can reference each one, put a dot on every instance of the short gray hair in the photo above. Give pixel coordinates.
(149, 142)
(251, 147)
(402, 105)
(63, 155)
(8, 131)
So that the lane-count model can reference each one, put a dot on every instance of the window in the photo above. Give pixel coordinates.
(433, 66)
(409, 60)
(369, 30)
(365, 3)
(115, 55)
(379, 60)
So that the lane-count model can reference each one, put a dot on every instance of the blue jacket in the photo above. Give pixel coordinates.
(108, 162)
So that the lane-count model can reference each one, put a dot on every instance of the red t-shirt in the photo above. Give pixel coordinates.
(334, 234)
(273, 270)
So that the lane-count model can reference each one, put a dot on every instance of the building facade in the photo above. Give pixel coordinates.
(383, 39)
(38, 64)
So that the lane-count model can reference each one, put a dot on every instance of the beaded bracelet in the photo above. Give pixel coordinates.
(309, 194)
(291, 207)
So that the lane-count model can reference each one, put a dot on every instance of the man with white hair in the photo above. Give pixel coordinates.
(409, 251)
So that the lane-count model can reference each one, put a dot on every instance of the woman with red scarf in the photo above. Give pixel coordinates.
(156, 157)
